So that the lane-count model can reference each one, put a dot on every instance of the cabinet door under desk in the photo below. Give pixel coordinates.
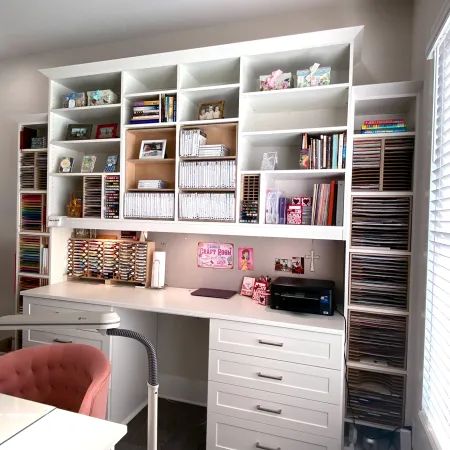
(278, 410)
(283, 344)
(312, 383)
(232, 433)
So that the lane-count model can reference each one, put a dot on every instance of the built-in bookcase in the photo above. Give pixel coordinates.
(253, 123)
(379, 255)
(32, 241)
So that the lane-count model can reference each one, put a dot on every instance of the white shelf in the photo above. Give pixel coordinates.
(376, 368)
(358, 135)
(78, 174)
(208, 122)
(282, 138)
(87, 113)
(211, 89)
(33, 275)
(33, 150)
(143, 126)
(297, 174)
(96, 145)
(149, 94)
(298, 99)
(213, 228)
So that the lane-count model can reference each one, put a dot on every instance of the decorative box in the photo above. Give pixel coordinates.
(276, 81)
(104, 97)
(314, 76)
(294, 214)
(261, 293)
(74, 100)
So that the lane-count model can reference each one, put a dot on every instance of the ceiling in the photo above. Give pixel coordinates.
(30, 26)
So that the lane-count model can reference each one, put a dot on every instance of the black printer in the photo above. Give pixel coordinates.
(302, 295)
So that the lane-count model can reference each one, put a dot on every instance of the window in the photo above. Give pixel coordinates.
(436, 373)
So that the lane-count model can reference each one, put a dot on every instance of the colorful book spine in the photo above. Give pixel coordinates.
(340, 151)
(383, 122)
(282, 210)
(334, 164)
(384, 130)
(381, 126)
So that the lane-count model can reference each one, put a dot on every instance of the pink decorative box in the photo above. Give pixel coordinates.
(294, 214)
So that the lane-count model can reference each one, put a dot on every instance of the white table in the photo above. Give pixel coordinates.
(34, 426)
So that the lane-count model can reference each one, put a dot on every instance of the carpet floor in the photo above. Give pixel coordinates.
(180, 427)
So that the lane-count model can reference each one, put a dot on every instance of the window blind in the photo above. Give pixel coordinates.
(436, 374)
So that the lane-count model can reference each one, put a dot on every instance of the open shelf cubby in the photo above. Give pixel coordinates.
(150, 169)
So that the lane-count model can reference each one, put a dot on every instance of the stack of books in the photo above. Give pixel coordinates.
(146, 111)
(152, 184)
(168, 108)
(383, 126)
(328, 204)
(212, 150)
(323, 152)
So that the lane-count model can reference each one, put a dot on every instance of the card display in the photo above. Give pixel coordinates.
(381, 222)
(87, 166)
(111, 163)
(380, 281)
(66, 165)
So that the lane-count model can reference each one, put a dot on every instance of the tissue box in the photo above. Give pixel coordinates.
(74, 100)
(104, 97)
(278, 80)
(314, 76)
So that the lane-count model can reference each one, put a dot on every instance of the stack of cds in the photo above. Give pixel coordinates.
(152, 184)
(212, 150)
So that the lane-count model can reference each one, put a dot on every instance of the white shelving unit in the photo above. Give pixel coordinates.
(30, 242)
(257, 121)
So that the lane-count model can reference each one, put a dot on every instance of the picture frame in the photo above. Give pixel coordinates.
(153, 149)
(106, 131)
(78, 132)
(211, 110)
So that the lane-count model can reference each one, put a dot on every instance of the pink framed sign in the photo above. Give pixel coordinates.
(213, 255)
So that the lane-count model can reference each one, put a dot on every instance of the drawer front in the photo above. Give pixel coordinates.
(278, 410)
(232, 433)
(311, 383)
(297, 346)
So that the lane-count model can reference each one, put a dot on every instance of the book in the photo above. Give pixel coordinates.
(87, 166)
(340, 204)
(384, 130)
(282, 210)
(340, 150)
(147, 103)
(111, 163)
(383, 122)
(66, 165)
(329, 152)
(334, 156)
(135, 122)
(386, 125)
(331, 205)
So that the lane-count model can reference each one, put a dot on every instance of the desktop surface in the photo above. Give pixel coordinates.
(179, 301)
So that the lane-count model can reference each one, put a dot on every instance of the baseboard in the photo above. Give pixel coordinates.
(183, 390)
(131, 416)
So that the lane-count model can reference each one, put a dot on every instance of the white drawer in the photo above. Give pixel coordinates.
(297, 380)
(232, 433)
(278, 410)
(284, 344)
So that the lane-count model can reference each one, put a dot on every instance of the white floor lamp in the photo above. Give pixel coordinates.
(104, 323)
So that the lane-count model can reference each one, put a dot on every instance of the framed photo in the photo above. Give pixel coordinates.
(153, 149)
(106, 131)
(211, 110)
(78, 132)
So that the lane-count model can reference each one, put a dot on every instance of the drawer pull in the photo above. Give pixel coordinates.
(273, 411)
(272, 377)
(275, 344)
(60, 341)
(263, 447)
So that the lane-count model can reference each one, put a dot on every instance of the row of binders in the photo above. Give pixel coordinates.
(205, 206)
(149, 205)
(207, 174)
(324, 152)
(328, 204)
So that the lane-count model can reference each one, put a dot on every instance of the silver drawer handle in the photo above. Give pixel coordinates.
(272, 377)
(60, 341)
(263, 447)
(273, 411)
(275, 344)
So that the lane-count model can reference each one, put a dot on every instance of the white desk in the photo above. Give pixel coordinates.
(274, 377)
(34, 426)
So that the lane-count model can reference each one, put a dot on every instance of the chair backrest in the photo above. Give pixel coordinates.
(74, 377)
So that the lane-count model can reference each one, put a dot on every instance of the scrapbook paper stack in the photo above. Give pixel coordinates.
(33, 214)
(145, 111)
(383, 126)
(27, 171)
(92, 197)
(29, 254)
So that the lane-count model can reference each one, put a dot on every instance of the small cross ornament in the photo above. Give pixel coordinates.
(312, 257)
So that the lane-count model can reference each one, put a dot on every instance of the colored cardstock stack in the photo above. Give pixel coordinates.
(383, 126)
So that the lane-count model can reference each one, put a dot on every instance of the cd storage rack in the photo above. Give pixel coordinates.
(379, 260)
(32, 241)
(110, 260)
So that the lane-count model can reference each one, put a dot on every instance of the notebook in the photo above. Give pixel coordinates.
(214, 293)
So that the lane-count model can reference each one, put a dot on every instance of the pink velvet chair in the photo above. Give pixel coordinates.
(73, 377)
